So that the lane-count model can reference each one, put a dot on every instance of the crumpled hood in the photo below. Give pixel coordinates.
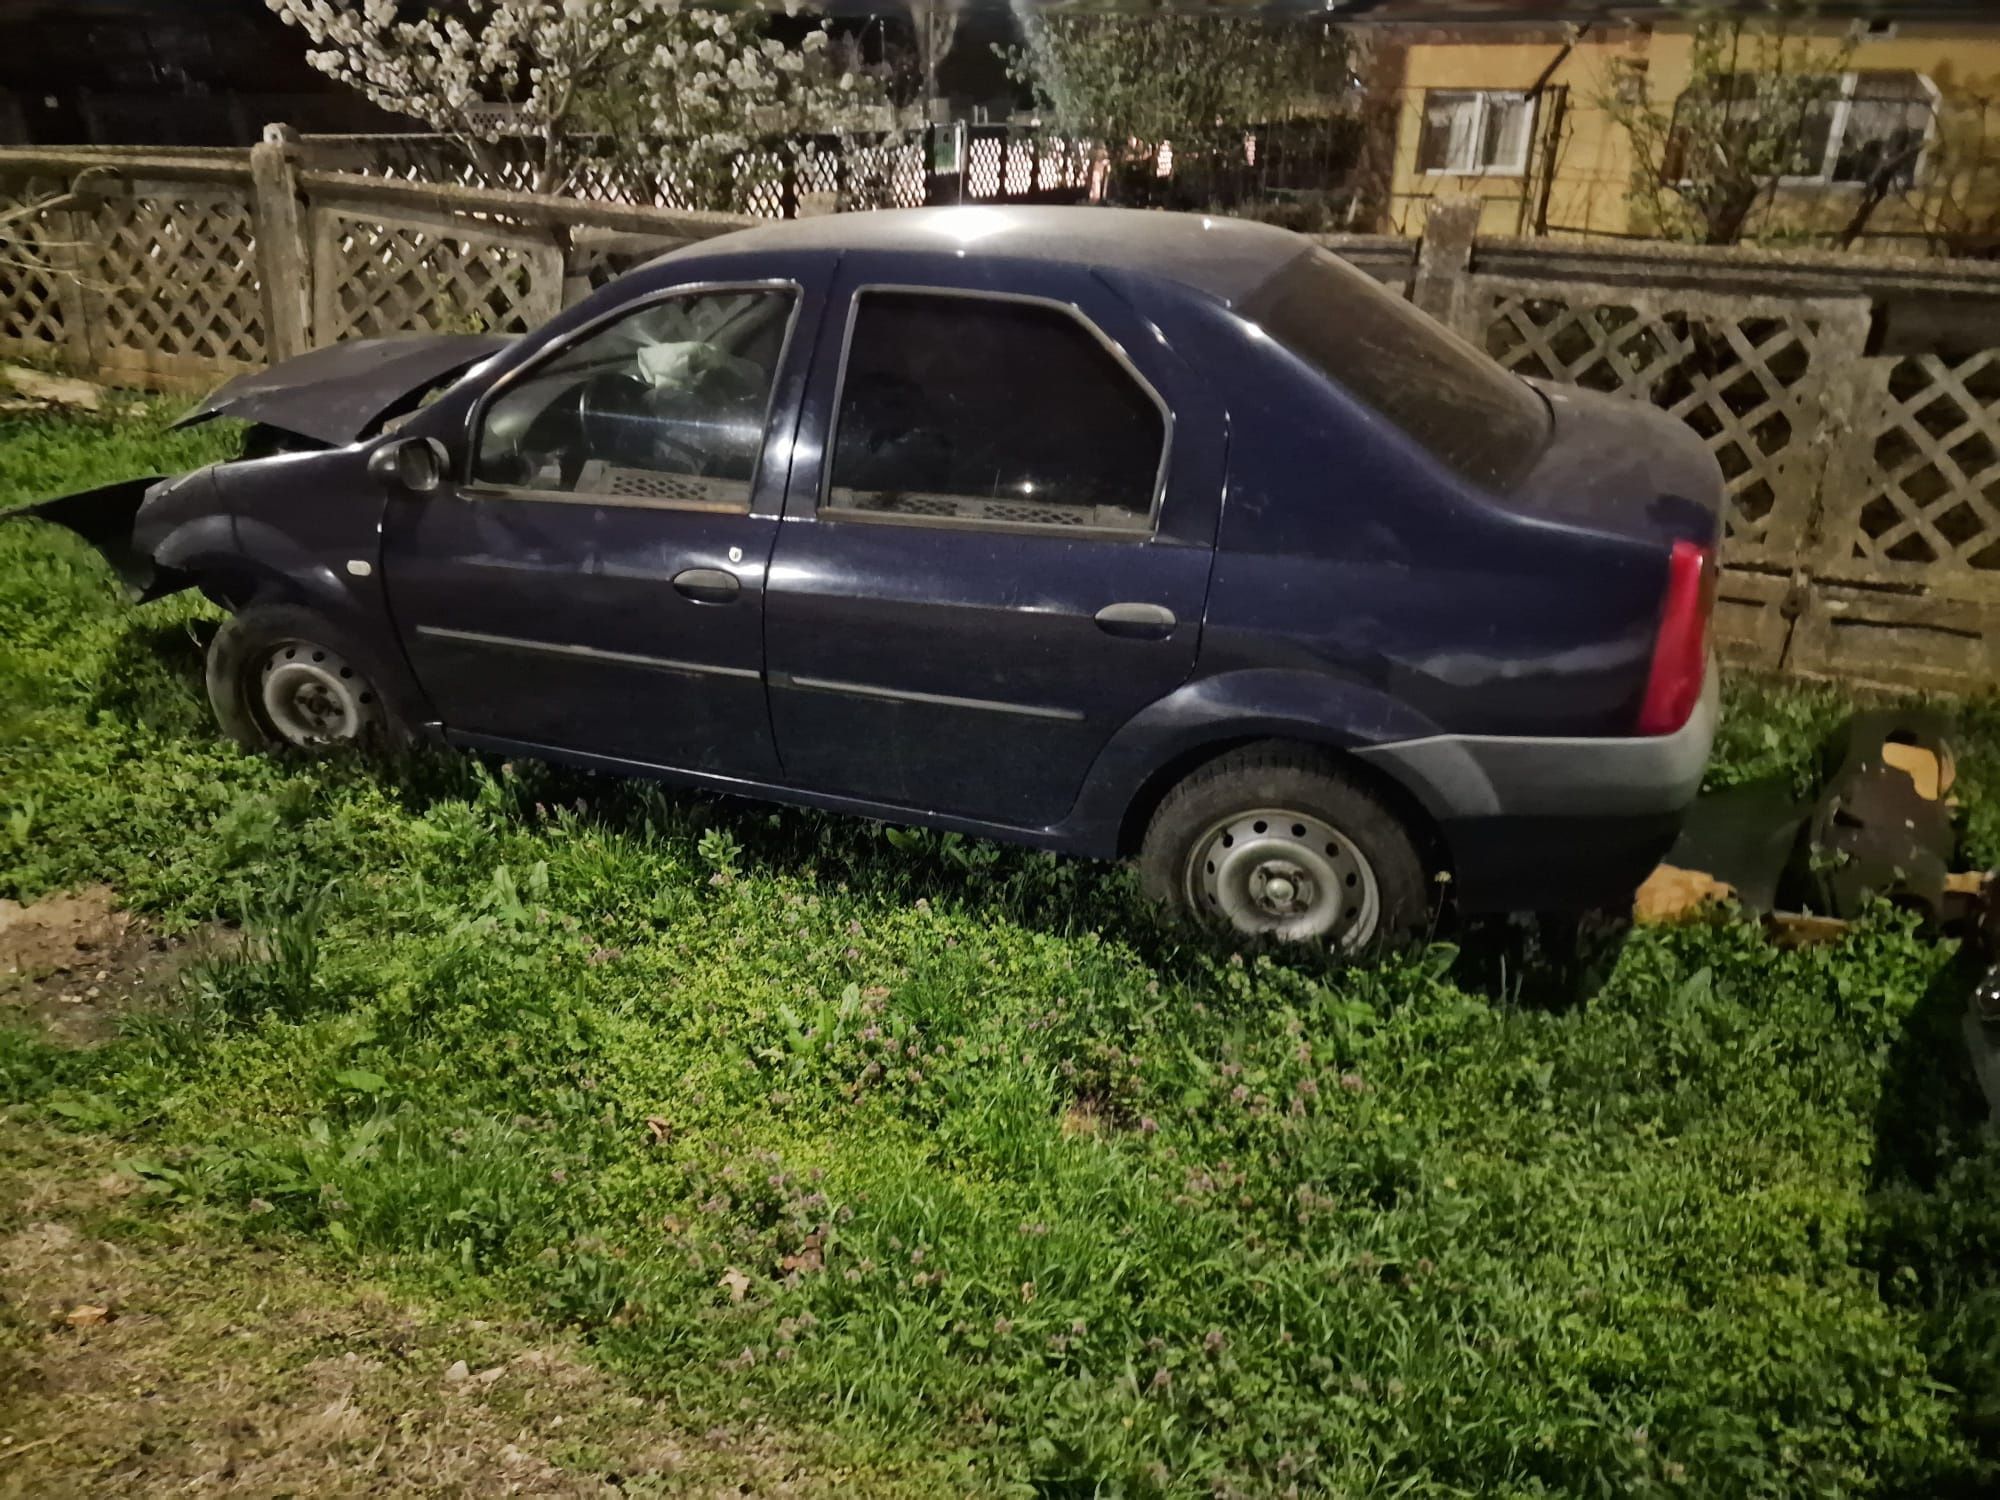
(333, 395)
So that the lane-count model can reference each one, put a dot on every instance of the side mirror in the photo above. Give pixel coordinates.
(416, 466)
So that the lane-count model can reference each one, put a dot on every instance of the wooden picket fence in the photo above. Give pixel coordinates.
(1852, 403)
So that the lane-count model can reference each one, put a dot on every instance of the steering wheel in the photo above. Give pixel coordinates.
(619, 419)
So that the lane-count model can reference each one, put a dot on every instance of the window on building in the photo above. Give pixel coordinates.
(1475, 130)
(991, 412)
(1856, 125)
(1885, 124)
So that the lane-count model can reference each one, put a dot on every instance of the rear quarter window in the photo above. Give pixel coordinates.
(1477, 419)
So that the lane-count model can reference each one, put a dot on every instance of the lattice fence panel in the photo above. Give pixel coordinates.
(983, 155)
(597, 261)
(374, 276)
(1018, 170)
(172, 285)
(862, 169)
(885, 174)
(1752, 376)
(33, 316)
(1923, 501)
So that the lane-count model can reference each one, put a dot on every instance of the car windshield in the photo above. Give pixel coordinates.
(1484, 423)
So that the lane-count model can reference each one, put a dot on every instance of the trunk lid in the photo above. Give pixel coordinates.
(1622, 467)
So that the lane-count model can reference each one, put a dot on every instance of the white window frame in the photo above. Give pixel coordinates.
(1482, 101)
(1843, 107)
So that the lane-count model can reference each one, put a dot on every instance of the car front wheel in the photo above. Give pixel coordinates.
(1275, 844)
(281, 677)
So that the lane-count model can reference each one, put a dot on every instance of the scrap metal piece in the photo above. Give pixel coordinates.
(1874, 832)
(1744, 837)
(1874, 836)
(1876, 826)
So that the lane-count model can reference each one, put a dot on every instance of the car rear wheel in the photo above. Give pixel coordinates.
(1275, 844)
(281, 677)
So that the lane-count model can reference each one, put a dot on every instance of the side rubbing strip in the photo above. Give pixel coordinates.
(587, 653)
(900, 695)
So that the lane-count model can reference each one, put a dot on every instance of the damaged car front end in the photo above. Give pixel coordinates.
(163, 533)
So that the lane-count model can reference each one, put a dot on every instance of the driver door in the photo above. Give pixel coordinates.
(596, 585)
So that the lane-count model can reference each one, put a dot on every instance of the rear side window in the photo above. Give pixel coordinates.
(1479, 420)
(991, 412)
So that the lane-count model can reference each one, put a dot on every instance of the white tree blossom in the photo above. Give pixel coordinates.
(696, 85)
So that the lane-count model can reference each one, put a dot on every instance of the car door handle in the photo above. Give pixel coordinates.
(707, 585)
(1138, 622)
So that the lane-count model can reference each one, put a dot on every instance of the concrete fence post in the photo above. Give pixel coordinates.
(1850, 387)
(284, 267)
(1444, 261)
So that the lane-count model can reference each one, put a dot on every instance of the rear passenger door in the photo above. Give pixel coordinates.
(996, 542)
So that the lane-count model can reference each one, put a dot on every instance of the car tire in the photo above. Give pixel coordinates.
(281, 677)
(1274, 844)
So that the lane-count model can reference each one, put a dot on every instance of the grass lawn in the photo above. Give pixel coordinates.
(835, 1157)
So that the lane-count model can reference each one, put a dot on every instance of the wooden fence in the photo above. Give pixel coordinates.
(176, 270)
(1852, 403)
(774, 178)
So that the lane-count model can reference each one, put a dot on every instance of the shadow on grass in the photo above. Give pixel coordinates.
(155, 677)
(1933, 1233)
(1551, 962)
(1547, 963)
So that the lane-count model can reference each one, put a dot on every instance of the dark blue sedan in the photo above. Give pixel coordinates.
(1108, 532)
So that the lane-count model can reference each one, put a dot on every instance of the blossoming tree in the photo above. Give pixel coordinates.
(682, 91)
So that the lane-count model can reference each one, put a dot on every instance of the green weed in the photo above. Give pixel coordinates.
(948, 1150)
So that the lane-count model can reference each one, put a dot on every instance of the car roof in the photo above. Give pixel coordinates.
(1225, 258)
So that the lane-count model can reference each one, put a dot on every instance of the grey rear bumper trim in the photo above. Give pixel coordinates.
(1485, 775)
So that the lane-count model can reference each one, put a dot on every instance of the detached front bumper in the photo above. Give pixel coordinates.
(1553, 824)
(103, 517)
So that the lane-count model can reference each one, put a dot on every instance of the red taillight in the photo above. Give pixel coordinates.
(1680, 650)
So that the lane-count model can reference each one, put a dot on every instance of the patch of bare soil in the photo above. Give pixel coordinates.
(178, 1365)
(73, 964)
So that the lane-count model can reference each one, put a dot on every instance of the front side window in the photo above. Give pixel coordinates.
(991, 411)
(666, 405)
(1475, 130)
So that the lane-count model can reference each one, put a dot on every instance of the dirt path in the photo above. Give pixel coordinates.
(72, 964)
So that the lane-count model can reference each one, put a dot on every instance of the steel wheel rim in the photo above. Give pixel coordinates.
(311, 696)
(1288, 875)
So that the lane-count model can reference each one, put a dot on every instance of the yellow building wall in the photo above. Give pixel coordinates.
(1591, 188)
